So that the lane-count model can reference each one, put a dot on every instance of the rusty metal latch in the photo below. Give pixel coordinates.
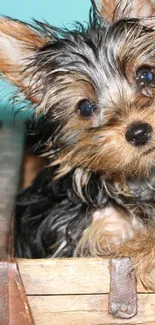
(123, 292)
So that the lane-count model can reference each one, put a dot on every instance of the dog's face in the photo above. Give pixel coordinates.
(96, 84)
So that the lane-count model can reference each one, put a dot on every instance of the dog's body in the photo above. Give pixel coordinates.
(95, 86)
(51, 217)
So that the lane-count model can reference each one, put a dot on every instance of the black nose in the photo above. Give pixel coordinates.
(138, 134)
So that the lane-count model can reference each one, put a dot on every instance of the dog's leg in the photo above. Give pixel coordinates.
(114, 233)
(109, 229)
(141, 249)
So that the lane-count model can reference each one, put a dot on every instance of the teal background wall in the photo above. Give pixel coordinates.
(57, 12)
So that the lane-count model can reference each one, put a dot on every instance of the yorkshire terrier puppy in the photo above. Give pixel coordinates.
(93, 93)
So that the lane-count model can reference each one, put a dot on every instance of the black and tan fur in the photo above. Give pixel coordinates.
(96, 197)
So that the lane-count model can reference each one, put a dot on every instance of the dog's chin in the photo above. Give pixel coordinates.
(140, 167)
(141, 170)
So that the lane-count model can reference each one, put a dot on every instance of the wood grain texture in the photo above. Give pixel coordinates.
(67, 276)
(14, 309)
(87, 310)
(4, 299)
(11, 148)
(19, 311)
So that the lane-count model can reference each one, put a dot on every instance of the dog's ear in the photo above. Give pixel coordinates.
(18, 44)
(113, 10)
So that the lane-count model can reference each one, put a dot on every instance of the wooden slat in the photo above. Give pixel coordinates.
(87, 310)
(4, 299)
(11, 145)
(14, 309)
(66, 276)
(19, 311)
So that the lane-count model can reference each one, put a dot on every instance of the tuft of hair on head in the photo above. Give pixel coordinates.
(113, 10)
(26, 48)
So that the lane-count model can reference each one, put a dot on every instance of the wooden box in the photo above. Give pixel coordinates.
(76, 292)
(57, 291)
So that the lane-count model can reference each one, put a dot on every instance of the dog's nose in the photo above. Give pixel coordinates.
(138, 134)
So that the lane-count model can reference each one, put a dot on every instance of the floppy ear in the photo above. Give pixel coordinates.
(113, 10)
(18, 44)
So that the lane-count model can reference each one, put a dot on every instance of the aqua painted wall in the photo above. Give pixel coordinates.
(56, 12)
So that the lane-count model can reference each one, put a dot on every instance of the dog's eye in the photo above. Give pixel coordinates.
(86, 108)
(145, 76)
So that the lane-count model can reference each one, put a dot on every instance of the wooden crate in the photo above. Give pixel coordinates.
(76, 292)
(52, 291)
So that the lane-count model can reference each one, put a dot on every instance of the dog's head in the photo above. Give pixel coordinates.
(95, 83)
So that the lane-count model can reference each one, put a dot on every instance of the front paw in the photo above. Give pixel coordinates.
(109, 229)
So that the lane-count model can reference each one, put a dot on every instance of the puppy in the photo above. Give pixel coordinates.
(93, 93)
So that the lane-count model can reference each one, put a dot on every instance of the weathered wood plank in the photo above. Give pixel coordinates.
(14, 309)
(11, 149)
(19, 311)
(87, 310)
(67, 276)
(11, 145)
